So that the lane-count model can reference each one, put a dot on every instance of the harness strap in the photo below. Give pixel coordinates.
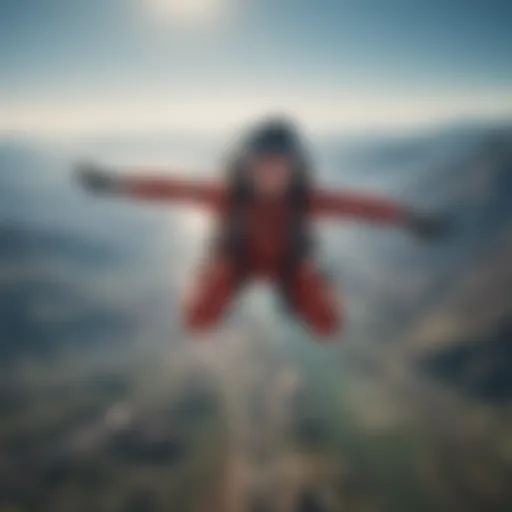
(232, 241)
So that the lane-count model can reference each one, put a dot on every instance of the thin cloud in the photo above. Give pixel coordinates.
(223, 111)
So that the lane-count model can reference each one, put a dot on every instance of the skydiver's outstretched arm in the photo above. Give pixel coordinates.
(151, 187)
(376, 209)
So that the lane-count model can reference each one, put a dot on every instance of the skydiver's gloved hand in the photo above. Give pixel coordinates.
(97, 181)
(429, 227)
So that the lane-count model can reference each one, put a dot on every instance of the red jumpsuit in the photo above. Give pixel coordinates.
(311, 297)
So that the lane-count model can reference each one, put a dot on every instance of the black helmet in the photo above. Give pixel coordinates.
(274, 136)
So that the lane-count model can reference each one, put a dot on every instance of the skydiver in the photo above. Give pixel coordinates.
(264, 210)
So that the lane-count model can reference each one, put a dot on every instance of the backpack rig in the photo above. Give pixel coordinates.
(275, 136)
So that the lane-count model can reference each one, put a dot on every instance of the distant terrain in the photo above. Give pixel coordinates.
(106, 405)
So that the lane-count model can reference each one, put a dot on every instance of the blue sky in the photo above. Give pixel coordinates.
(92, 65)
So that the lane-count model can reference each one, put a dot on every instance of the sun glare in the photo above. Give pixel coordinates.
(189, 12)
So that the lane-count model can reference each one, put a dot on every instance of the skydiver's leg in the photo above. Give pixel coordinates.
(315, 301)
(212, 294)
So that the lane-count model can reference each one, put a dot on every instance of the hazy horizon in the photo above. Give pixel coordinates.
(208, 66)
